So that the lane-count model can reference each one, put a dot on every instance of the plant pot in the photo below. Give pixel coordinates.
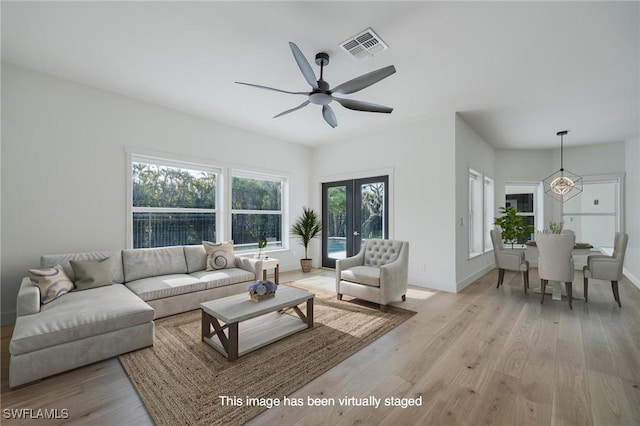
(305, 264)
(258, 297)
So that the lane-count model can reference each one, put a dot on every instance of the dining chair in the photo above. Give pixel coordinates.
(608, 268)
(555, 261)
(508, 260)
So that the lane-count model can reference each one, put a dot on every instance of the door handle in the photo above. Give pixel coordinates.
(356, 233)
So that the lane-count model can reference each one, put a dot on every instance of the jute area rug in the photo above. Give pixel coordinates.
(182, 379)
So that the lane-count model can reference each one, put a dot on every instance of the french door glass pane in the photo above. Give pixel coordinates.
(336, 226)
(372, 210)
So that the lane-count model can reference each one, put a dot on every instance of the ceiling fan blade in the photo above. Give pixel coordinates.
(329, 116)
(363, 106)
(271, 88)
(302, 105)
(304, 66)
(365, 80)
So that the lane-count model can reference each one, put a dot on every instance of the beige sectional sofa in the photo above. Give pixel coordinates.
(86, 326)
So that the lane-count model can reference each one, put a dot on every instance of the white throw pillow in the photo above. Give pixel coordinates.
(220, 255)
(52, 282)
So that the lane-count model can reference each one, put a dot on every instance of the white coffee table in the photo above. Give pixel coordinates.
(264, 322)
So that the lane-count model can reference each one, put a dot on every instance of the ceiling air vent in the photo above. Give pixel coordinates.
(364, 45)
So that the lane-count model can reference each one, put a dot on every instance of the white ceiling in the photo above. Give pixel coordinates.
(516, 71)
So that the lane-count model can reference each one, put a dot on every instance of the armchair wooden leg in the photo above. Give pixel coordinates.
(525, 279)
(543, 284)
(586, 290)
(383, 308)
(569, 287)
(616, 295)
(339, 296)
(500, 277)
(404, 297)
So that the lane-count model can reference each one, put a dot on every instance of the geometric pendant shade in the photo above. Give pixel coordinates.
(562, 185)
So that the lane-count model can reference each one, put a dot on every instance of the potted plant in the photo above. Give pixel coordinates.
(262, 243)
(307, 227)
(514, 228)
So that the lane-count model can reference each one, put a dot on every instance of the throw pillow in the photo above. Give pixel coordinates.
(52, 282)
(92, 273)
(219, 256)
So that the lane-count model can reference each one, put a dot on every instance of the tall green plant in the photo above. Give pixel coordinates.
(307, 227)
(513, 226)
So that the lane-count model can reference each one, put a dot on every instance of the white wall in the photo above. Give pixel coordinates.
(64, 167)
(632, 210)
(421, 157)
(471, 152)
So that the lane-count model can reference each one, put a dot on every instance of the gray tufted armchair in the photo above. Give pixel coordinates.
(377, 274)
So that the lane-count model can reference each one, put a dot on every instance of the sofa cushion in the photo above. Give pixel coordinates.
(117, 276)
(151, 262)
(162, 286)
(196, 258)
(219, 255)
(223, 277)
(367, 275)
(380, 252)
(91, 273)
(78, 315)
(52, 282)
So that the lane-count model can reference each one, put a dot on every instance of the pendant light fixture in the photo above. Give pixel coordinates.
(562, 185)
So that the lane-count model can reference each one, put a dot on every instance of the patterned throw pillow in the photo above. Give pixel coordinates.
(52, 282)
(219, 256)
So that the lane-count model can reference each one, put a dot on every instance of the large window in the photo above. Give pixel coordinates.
(481, 207)
(489, 202)
(527, 200)
(256, 210)
(476, 215)
(182, 203)
(172, 204)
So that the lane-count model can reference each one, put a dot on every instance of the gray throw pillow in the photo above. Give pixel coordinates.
(91, 273)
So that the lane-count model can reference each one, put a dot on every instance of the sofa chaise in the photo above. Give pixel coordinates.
(83, 327)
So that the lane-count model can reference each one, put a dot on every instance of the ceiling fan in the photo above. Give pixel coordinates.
(322, 94)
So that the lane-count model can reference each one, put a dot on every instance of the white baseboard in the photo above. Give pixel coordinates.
(473, 277)
(631, 277)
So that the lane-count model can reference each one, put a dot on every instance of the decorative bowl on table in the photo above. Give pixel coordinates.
(261, 290)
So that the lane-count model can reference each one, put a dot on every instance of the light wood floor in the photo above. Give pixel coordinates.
(483, 356)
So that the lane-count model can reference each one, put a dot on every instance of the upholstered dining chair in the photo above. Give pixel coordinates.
(378, 273)
(555, 261)
(510, 260)
(608, 268)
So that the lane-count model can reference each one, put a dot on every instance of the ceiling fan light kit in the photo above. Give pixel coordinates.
(562, 185)
(322, 94)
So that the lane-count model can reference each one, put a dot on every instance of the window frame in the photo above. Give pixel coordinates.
(284, 207)
(489, 194)
(173, 163)
(223, 199)
(475, 225)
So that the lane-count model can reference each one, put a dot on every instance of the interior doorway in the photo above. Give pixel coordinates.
(352, 211)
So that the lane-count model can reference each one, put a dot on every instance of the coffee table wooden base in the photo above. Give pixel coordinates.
(256, 332)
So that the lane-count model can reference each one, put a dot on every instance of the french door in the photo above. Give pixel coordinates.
(352, 211)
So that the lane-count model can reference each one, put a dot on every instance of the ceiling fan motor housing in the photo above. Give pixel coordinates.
(321, 95)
